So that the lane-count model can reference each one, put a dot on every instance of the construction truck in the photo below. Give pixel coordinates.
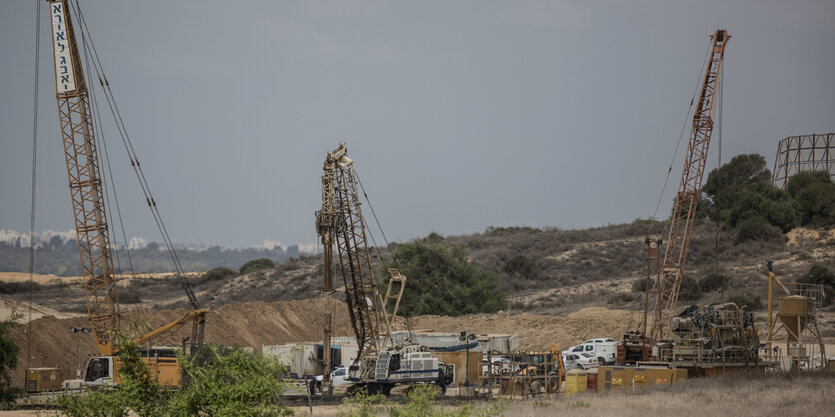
(91, 225)
(380, 363)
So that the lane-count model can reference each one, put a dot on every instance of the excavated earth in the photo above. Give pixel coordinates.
(254, 324)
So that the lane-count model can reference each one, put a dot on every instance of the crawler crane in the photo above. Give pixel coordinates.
(381, 363)
(665, 289)
(91, 226)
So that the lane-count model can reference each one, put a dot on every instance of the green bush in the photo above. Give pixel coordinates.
(621, 298)
(235, 383)
(256, 264)
(689, 290)
(798, 182)
(9, 352)
(18, 287)
(816, 205)
(756, 228)
(640, 285)
(219, 273)
(215, 383)
(442, 281)
(819, 274)
(520, 265)
(128, 296)
(746, 299)
(714, 281)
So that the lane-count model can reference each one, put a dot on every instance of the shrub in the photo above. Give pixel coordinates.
(714, 281)
(746, 299)
(689, 290)
(819, 274)
(442, 281)
(816, 205)
(128, 296)
(18, 287)
(640, 285)
(219, 274)
(756, 228)
(520, 265)
(9, 352)
(256, 264)
(621, 298)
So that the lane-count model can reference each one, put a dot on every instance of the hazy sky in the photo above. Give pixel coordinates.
(459, 114)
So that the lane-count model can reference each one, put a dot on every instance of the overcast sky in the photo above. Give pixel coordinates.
(459, 114)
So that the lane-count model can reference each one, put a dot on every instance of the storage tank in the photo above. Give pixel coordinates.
(794, 311)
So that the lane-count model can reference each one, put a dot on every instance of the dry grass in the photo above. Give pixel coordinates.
(737, 396)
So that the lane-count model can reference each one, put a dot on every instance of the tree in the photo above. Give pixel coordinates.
(814, 196)
(742, 197)
(440, 280)
(803, 179)
(9, 352)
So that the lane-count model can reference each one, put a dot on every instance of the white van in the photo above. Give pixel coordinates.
(604, 349)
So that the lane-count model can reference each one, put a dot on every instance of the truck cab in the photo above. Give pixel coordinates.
(163, 366)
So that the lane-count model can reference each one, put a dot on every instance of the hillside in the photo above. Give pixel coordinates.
(542, 271)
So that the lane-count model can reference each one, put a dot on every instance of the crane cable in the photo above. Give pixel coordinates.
(678, 144)
(34, 176)
(388, 245)
(134, 160)
(102, 143)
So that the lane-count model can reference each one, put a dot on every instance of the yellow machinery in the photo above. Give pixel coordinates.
(43, 379)
(86, 191)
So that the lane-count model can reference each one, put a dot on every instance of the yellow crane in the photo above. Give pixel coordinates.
(91, 226)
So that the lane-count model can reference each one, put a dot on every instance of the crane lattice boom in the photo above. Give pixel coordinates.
(85, 181)
(678, 238)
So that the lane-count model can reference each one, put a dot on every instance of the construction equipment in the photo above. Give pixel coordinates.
(86, 190)
(380, 363)
(681, 225)
(713, 338)
(637, 344)
(797, 316)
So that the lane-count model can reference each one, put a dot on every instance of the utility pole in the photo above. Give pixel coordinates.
(78, 331)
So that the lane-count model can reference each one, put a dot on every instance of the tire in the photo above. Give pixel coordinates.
(553, 385)
(580, 366)
(601, 361)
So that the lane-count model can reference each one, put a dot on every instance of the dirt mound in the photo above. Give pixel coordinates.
(258, 323)
(250, 324)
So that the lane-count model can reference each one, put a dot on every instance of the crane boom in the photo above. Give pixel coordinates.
(340, 221)
(86, 191)
(85, 182)
(681, 226)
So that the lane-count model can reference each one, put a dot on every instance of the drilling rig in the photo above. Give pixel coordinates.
(91, 226)
(380, 363)
(666, 286)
